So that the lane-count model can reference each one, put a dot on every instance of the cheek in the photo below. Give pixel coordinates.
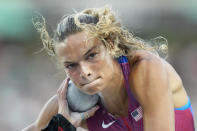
(106, 67)
(73, 75)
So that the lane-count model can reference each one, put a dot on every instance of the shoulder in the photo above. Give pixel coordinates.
(148, 75)
(150, 86)
(144, 64)
(144, 60)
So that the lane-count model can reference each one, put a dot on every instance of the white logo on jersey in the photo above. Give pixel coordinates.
(107, 125)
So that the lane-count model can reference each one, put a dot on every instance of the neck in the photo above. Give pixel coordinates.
(114, 97)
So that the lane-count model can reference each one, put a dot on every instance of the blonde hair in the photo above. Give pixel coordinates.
(105, 26)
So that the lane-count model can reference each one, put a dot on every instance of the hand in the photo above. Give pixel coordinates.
(74, 118)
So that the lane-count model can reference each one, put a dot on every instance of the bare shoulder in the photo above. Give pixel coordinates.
(148, 73)
(146, 60)
(138, 59)
(137, 56)
(154, 75)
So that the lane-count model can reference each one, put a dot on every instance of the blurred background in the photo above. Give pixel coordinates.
(28, 78)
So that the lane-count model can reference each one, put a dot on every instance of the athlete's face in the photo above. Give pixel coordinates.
(88, 64)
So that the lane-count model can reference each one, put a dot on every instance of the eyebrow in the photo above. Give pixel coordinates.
(89, 50)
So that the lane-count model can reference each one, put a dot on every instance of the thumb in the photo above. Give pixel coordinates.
(89, 113)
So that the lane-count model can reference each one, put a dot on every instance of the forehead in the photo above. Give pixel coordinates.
(75, 46)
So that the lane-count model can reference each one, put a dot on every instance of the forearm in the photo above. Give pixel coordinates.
(59, 122)
(46, 114)
(32, 127)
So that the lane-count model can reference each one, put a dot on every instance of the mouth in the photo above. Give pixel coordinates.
(91, 83)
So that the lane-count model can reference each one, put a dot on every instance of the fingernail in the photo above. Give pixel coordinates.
(97, 107)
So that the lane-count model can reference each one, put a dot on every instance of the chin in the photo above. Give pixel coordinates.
(91, 91)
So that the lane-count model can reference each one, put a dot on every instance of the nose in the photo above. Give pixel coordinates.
(85, 71)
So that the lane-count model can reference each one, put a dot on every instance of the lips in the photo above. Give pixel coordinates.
(90, 82)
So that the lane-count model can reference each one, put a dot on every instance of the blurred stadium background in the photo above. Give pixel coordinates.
(28, 79)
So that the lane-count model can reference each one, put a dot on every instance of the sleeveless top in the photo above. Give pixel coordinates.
(104, 121)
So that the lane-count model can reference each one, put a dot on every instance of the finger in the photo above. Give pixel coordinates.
(64, 88)
(61, 100)
(89, 113)
(92, 111)
(61, 86)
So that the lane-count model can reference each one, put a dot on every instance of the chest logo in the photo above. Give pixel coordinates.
(137, 114)
(107, 125)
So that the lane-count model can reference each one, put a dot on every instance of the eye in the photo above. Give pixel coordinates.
(71, 66)
(91, 56)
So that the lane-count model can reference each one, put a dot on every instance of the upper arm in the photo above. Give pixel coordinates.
(150, 85)
(48, 111)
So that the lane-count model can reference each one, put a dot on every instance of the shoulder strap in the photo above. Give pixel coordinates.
(135, 110)
(123, 61)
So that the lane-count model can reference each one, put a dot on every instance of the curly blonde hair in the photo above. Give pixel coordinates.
(101, 23)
